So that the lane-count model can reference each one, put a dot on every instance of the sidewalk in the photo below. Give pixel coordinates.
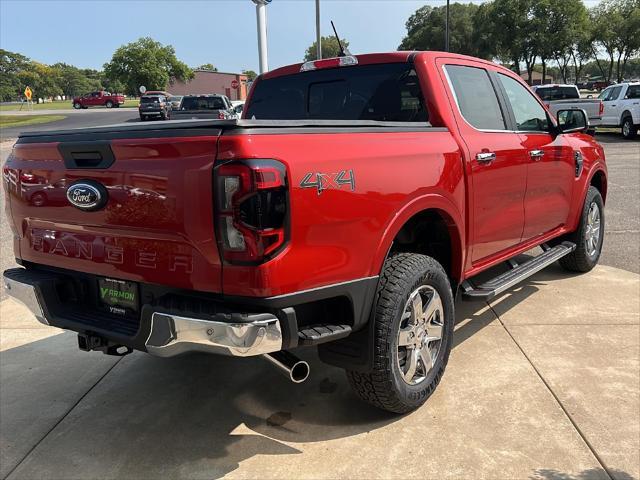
(542, 383)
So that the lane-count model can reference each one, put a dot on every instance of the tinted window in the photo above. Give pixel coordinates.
(387, 92)
(610, 93)
(530, 115)
(633, 91)
(476, 97)
(202, 103)
(149, 99)
(557, 93)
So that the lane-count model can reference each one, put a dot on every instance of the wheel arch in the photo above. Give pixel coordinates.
(625, 114)
(599, 180)
(403, 234)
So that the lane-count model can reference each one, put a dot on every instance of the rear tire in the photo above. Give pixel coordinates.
(411, 349)
(588, 241)
(109, 104)
(143, 118)
(628, 129)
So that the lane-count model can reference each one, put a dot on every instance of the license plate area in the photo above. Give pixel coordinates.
(118, 297)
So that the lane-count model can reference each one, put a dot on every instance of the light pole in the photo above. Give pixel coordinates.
(446, 28)
(261, 18)
(318, 38)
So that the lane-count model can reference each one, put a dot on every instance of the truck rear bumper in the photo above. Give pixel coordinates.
(160, 333)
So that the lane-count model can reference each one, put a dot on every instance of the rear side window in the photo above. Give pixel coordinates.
(633, 91)
(384, 92)
(476, 97)
(202, 103)
(530, 115)
(557, 93)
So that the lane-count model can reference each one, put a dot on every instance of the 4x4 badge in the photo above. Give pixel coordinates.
(328, 181)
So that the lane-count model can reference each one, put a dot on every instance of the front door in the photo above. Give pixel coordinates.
(550, 162)
(496, 166)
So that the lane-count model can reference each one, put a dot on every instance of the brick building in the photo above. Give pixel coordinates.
(206, 81)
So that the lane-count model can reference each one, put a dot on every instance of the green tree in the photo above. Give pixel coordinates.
(10, 65)
(426, 30)
(329, 47)
(251, 75)
(146, 62)
(74, 81)
(43, 80)
(207, 66)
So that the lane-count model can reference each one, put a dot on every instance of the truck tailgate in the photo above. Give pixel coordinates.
(157, 225)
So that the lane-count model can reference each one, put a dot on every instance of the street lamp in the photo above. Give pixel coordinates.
(446, 28)
(261, 18)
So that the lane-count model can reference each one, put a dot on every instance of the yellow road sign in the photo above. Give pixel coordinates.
(28, 93)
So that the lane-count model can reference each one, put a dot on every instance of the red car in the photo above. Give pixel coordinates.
(98, 99)
(356, 199)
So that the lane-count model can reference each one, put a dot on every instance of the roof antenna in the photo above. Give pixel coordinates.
(343, 52)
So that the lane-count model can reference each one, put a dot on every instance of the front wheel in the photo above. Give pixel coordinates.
(77, 106)
(588, 237)
(629, 130)
(413, 330)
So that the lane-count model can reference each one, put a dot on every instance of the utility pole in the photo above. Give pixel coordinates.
(446, 35)
(261, 18)
(318, 37)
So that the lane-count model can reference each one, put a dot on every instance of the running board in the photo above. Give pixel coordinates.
(517, 273)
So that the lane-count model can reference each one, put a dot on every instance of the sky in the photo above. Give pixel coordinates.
(85, 33)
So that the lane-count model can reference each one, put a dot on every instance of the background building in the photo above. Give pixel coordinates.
(233, 85)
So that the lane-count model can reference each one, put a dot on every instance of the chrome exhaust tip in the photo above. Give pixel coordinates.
(289, 365)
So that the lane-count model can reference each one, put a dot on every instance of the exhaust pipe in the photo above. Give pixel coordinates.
(289, 365)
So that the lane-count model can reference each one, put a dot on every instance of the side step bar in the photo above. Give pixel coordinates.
(517, 273)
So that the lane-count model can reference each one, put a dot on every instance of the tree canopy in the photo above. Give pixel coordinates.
(207, 66)
(146, 62)
(329, 47)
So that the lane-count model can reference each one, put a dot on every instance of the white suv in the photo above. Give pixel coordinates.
(622, 107)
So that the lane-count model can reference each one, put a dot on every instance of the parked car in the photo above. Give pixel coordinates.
(95, 99)
(563, 97)
(205, 106)
(175, 101)
(622, 108)
(368, 192)
(154, 106)
(237, 106)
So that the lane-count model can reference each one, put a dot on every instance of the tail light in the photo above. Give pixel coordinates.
(601, 108)
(251, 210)
(221, 115)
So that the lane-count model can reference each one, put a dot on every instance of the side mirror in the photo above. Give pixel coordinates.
(572, 121)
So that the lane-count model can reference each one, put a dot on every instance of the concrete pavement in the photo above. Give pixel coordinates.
(542, 383)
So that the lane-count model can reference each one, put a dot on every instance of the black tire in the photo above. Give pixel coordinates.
(143, 118)
(109, 104)
(581, 260)
(77, 106)
(163, 116)
(628, 129)
(384, 386)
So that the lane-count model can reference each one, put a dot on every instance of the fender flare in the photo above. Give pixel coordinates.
(430, 201)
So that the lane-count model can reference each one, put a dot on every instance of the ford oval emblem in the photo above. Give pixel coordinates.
(87, 195)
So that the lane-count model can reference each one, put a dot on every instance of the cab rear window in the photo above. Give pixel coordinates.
(557, 93)
(385, 92)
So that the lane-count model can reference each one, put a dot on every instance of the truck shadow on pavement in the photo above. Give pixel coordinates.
(198, 415)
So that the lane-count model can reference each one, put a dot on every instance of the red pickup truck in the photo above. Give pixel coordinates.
(355, 200)
(98, 99)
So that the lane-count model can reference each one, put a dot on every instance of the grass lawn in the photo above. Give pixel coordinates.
(62, 105)
(7, 121)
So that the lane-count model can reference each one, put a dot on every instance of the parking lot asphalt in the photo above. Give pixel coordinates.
(92, 117)
(543, 382)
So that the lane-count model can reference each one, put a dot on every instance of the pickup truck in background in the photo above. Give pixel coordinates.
(98, 99)
(622, 108)
(360, 195)
(212, 106)
(567, 97)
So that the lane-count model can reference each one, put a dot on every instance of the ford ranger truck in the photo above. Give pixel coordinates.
(356, 198)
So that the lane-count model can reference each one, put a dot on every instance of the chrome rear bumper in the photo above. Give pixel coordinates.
(169, 334)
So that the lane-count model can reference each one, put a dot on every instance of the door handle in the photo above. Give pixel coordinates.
(536, 154)
(485, 157)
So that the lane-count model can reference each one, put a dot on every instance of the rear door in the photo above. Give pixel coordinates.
(549, 159)
(609, 97)
(497, 162)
